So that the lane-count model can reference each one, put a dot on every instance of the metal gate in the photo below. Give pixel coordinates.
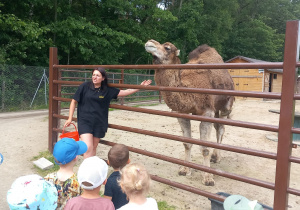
(285, 129)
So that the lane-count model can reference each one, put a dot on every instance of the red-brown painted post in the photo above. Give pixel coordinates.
(122, 82)
(53, 104)
(287, 109)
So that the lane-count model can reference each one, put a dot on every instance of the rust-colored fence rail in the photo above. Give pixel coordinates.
(119, 77)
(285, 129)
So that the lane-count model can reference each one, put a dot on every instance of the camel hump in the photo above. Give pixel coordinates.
(205, 54)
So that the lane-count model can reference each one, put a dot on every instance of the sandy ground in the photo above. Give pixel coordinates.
(24, 135)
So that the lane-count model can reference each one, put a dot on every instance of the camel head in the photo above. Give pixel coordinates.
(165, 53)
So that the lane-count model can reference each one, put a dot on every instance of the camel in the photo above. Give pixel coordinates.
(219, 106)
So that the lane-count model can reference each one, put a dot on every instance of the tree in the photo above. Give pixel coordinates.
(21, 40)
(254, 39)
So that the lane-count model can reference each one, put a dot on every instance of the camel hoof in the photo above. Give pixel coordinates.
(215, 159)
(184, 171)
(209, 182)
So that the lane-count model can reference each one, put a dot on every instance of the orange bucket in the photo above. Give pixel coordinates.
(74, 134)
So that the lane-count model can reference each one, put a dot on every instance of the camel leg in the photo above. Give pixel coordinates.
(205, 129)
(220, 129)
(185, 125)
(216, 155)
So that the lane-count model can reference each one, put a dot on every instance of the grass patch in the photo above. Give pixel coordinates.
(162, 205)
(48, 156)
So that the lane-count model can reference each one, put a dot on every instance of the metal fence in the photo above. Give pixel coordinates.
(114, 77)
(285, 129)
(27, 87)
(23, 87)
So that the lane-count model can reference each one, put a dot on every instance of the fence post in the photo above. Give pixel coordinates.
(3, 95)
(122, 82)
(53, 91)
(286, 119)
(59, 95)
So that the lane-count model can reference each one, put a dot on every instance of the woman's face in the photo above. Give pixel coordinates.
(97, 77)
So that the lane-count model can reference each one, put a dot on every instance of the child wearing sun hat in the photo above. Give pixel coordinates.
(32, 192)
(65, 154)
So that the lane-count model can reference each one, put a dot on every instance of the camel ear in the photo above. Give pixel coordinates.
(177, 52)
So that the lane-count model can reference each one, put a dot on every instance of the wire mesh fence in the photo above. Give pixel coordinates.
(26, 87)
(23, 87)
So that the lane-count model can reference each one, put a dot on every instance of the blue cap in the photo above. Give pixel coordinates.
(67, 149)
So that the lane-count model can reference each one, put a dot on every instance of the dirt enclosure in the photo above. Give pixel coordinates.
(24, 136)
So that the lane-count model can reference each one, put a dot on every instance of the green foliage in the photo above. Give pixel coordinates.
(162, 205)
(21, 41)
(81, 42)
(244, 42)
(115, 31)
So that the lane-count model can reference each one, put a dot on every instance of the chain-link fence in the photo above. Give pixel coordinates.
(23, 87)
(26, 87)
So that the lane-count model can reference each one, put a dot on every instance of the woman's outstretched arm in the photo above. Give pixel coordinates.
(131, 91)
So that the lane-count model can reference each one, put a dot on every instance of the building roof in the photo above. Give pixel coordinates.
(250, 60)
(276, 70)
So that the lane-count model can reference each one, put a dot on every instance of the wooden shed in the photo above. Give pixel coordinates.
(260, 80)
(273, 80)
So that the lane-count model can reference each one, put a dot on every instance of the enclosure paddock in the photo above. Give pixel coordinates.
(285, 129)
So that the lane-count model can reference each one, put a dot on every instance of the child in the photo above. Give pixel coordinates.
(65, 155)
(32, 192)
(135, 182)
(92, 174)
(118, 157)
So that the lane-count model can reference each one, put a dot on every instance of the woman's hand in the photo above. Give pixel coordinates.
(67, 123)
(127, 92)
(146, 82)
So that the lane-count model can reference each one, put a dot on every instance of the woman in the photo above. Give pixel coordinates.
(93, 100)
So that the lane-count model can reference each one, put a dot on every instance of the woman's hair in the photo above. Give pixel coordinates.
(134, 179)
(102, 71)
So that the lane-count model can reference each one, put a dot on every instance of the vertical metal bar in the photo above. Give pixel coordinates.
(287, 109)
(59, 95)
(122, 82)
(45, 85)
(53, 91)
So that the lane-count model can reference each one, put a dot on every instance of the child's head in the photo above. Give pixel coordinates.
(92, 173)
(66, 150)
(32, 192)
(134, 179)
(118, 156)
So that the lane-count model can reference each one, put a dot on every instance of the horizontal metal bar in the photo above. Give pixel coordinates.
(199, 118)
(172, 183)
(293, 191)
(198, 167)
(187, 140)
(261, 65)
(294, 159)
(188, 90)
(295, 130)
(202, 168)
(234, 76)
(241, 150)
(188, 116)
